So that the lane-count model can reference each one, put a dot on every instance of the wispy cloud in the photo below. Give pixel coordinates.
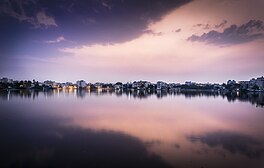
(39, 19)
(89, 21)
(250, 31)
(58, 40)
(221, 25)
(211, 26)
(42, 19)
(105, 4)
(154, 33)
(177, 31)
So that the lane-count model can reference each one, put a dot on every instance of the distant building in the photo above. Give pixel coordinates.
(81, 84)
(89, 86)
(98, 85)
(189, 83)
(231, 82)
(141, 85)
(134, 85)
(49, 83)
(147, 84)
(69, 83)
(63, 85)
(260, 82)
(253, 84)
(173, 85)
(6, 80)
(161, 85)
(118, 86)
(244, 84)
(40, 84)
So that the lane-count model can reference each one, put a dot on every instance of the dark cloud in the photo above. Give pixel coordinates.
(25, 25)
(112, 21)
(203, 26)
(232, 142)
(221, 25)
(250, 31)
(91, 21)
(208, 26)
(161, 33)
(154, 33)
(153, 143)
(177, 146)
(198, 25)
(177, 31)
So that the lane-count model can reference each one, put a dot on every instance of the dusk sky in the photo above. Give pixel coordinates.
(127, 40)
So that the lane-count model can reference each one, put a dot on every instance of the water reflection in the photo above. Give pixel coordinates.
(255, 98)
(106, 128)
(232, 142)
(43, 142)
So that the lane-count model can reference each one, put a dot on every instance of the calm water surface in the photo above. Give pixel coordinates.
(84, 129)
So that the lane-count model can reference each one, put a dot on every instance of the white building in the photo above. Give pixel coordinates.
(81, 84)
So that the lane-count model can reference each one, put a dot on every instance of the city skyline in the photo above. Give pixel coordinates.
(10, 80)
(108, 41)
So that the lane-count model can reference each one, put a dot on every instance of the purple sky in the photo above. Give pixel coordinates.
(125, 40)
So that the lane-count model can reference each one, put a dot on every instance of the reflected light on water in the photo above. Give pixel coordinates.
(183, 129)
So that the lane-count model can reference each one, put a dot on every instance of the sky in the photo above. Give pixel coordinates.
(127, 40)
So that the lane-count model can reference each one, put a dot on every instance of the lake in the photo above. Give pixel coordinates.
(79, 128)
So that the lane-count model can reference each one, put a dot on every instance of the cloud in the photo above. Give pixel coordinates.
(221, 25)
(250, 31)
(89, 21)
(203, 26)
(20, 10)
(154, 33)
(16, 10)
(42, 19)
(198, 25)
(106, 5)
(160, 33)
(95, 21)
(209, 26)
(109, 21)
(177, 31)
(58, 40)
